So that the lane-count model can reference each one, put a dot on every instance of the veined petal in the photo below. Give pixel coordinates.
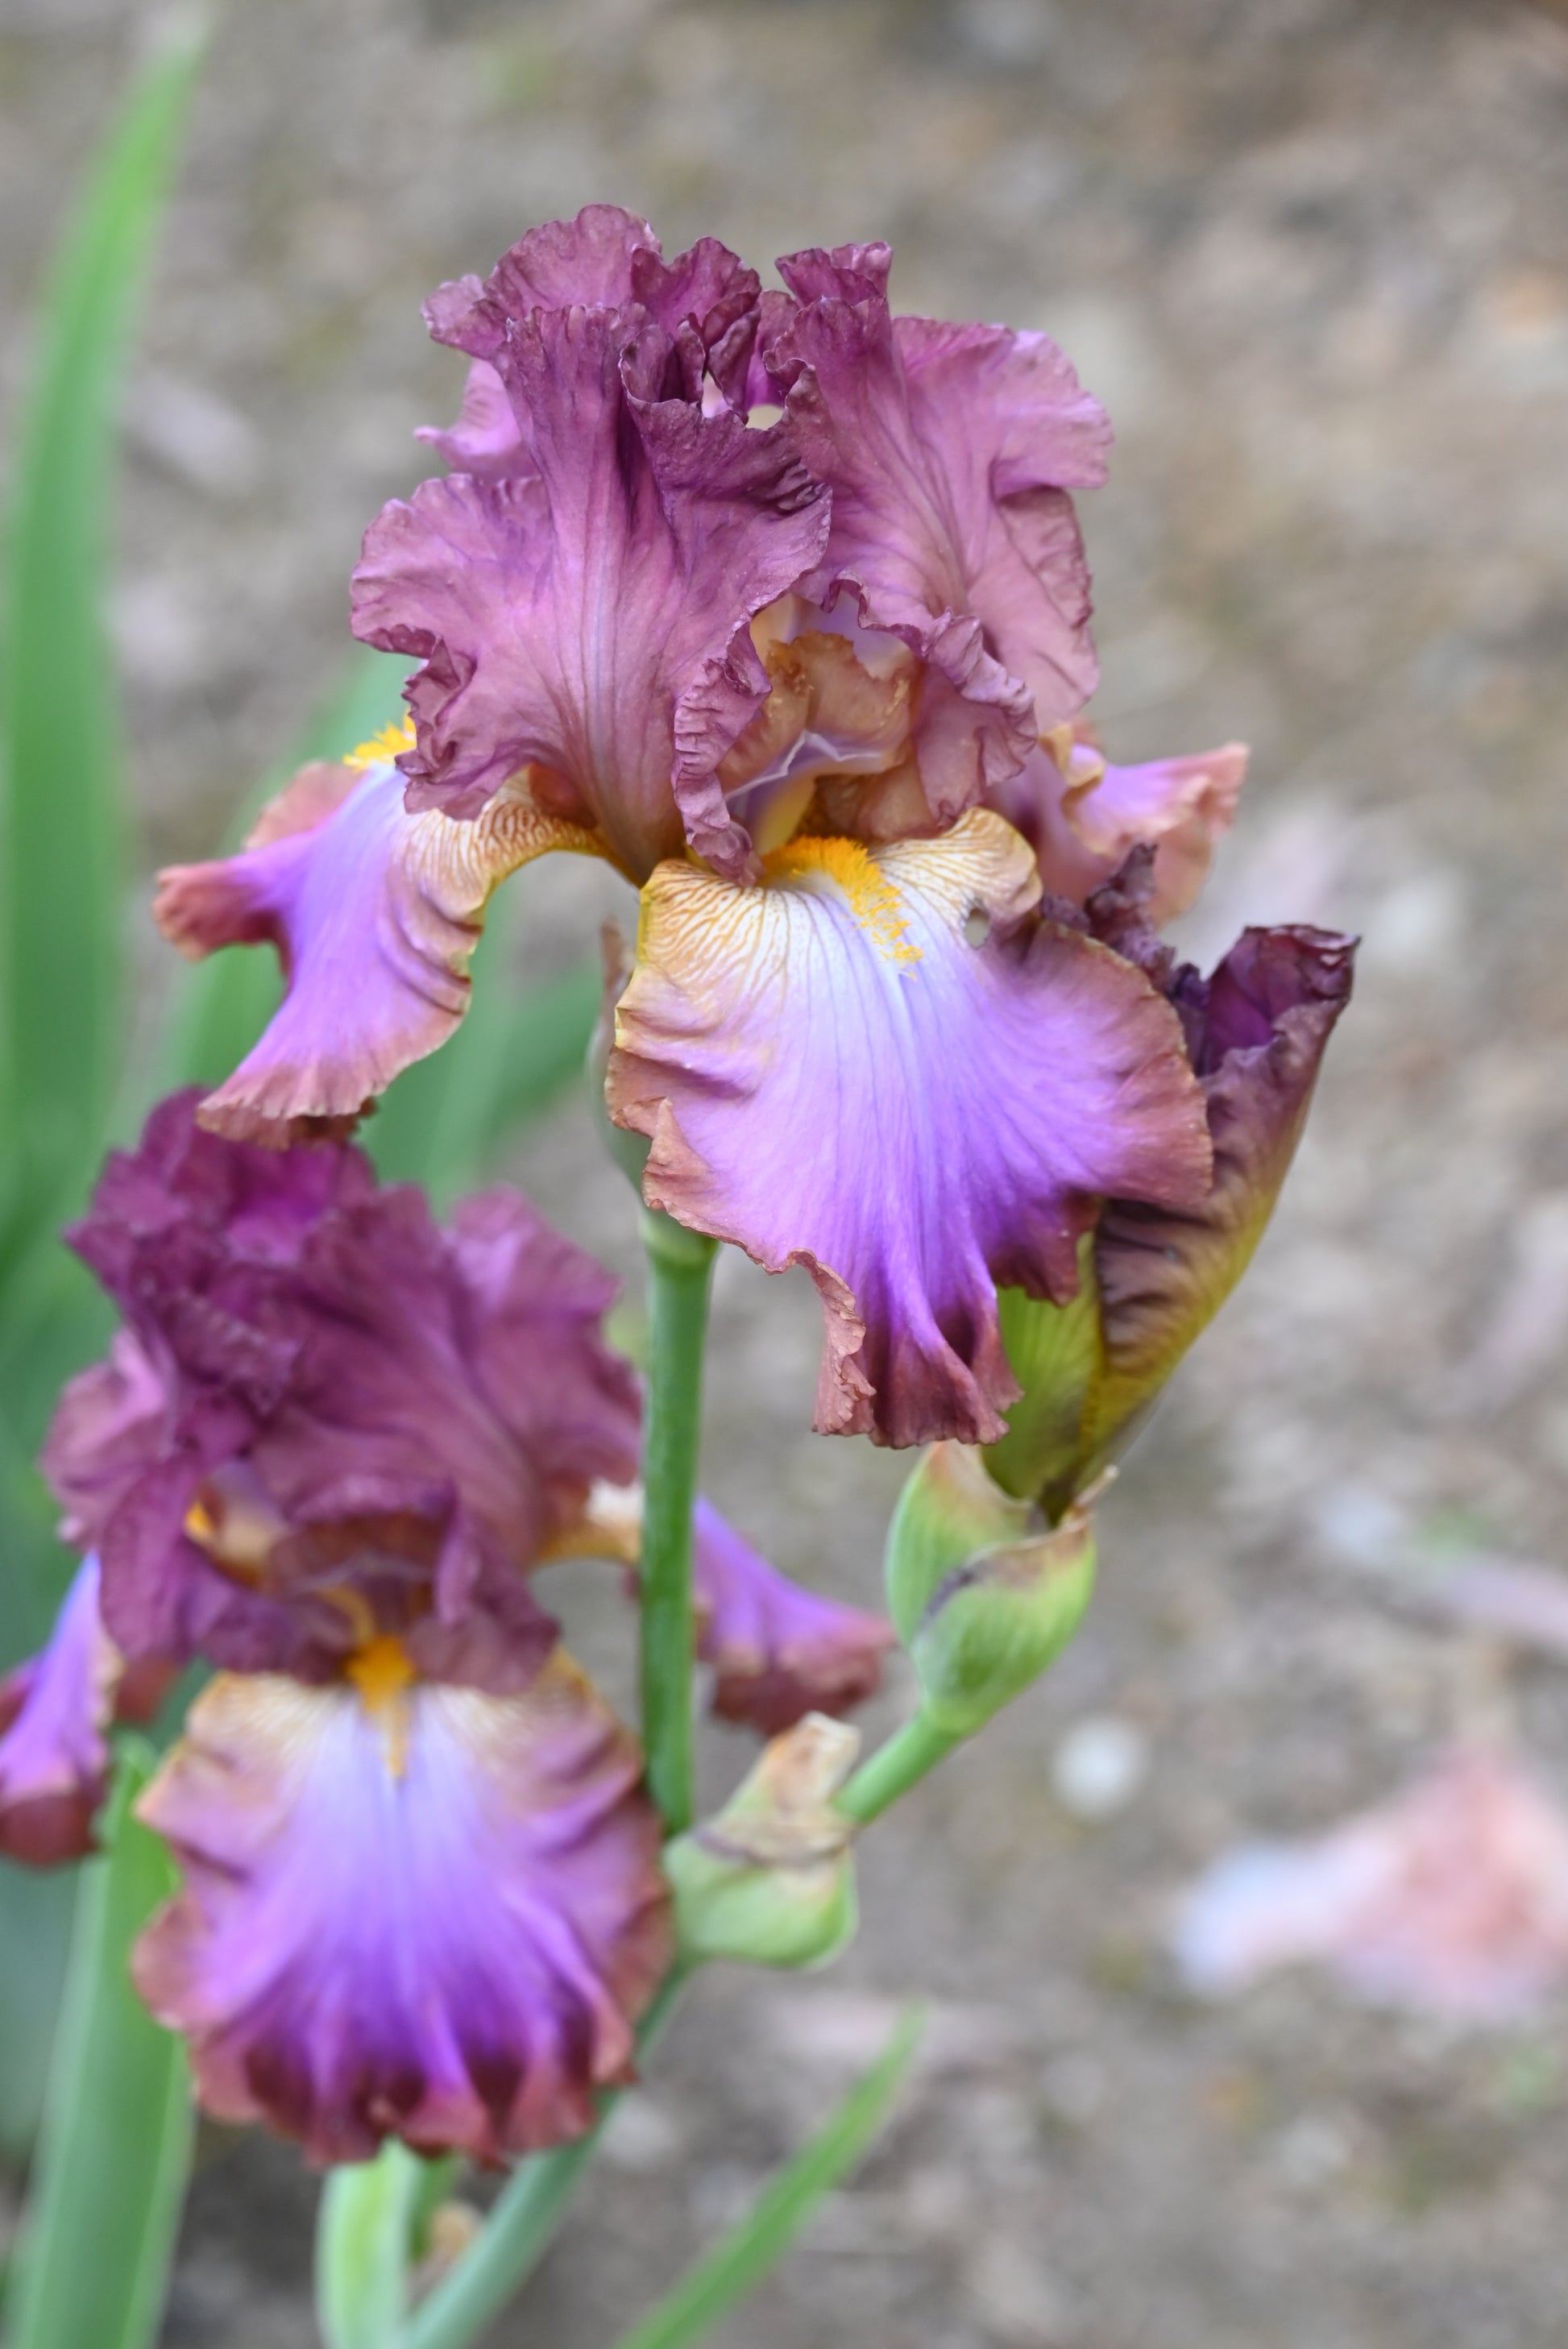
(1081, 816)
(832, 1074)
(55, 1712)
(950, 452)
(1258, 1030)
(375, 913)
(704, 301)
(414, 1911)
(778, 1650)
(593, 617)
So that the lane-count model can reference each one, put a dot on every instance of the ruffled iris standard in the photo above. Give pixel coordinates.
(777, 602)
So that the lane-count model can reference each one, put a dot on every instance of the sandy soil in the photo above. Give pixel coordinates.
(1315, 257)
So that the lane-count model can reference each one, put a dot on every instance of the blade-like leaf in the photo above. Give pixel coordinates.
(34, 1934)
(738, 2263)
(516, 1050)
(61, 858)
(115, 2147)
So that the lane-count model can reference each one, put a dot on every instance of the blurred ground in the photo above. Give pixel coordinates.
(1315, 257)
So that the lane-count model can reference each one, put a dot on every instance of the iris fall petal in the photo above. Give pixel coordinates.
(778, 1650)
(893, 1071)
(55, 1712)
(436, 1917)
(375, 913)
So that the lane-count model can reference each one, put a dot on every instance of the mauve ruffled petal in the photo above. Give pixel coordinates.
(365, 1417)
(832, 1074)
(592, 617)
(375, 913)
(1081, 816)
(704, 301)
(54, 1713)
(436, 1918)
(950, 452)
(778, 1650)
(107, 1422)
(485, 439)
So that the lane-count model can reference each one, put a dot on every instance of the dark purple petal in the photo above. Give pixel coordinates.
(418, 1912)
(365, 1421)
(1257, 1032)
(778, 1650)
(107, 1423)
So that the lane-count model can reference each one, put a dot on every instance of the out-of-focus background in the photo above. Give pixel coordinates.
(1313, 256)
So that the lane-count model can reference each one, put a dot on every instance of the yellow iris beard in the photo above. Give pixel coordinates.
(873, 900)
(384, 746)
(383, 1674)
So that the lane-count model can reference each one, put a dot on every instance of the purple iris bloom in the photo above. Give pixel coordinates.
(773, 600)
(422, 1885)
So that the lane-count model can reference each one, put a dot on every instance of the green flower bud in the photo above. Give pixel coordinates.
(982, 1598)
(1055, 1356)
(771, 1881)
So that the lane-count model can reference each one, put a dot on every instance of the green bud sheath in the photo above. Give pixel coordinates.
(771, 1881)
(949, 1510)
(982, 1601)
(1054, 1352)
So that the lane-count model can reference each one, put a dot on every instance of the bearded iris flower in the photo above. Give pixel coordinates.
(422, 1893)
(768, 599)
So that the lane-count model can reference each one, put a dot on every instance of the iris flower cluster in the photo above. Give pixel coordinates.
(775, 602)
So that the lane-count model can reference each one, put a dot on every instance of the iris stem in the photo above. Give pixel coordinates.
(680, 1272)
(521, 2223)
(910, 1752)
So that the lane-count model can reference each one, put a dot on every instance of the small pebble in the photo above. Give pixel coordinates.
(1099, 1767)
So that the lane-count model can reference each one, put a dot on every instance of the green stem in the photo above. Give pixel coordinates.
(894, 1768)
(680, 1269)
(521, 2222)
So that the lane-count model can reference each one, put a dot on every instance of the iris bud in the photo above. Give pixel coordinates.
(1055, 1354)
(983, 1596)
(770, 1880)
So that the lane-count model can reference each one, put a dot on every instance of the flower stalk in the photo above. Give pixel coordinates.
(911, 1753)
(680, 1271)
